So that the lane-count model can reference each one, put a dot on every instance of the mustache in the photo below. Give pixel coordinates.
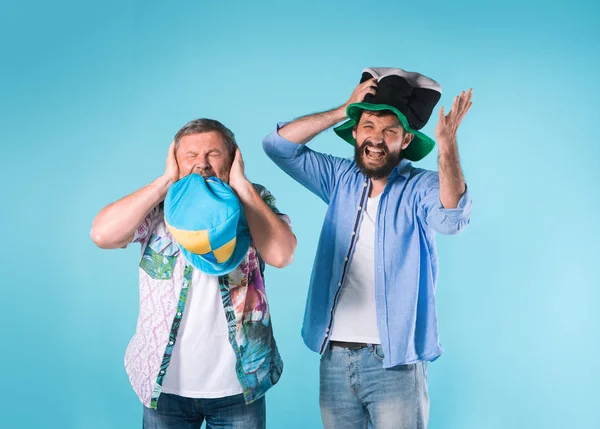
(204, 172)
(368, 143)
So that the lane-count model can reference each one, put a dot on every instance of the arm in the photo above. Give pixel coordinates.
(304, 129)
(452, 183)
(115, 226)
(272, 236)
(434, 214)
(445, 204)
(315, 171)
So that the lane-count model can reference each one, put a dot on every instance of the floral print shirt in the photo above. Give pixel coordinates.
(164, 279)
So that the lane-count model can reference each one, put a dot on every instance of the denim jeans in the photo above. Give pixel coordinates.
(356, 392)
(177, 412)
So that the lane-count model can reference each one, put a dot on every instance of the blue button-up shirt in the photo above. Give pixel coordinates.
(406, 269)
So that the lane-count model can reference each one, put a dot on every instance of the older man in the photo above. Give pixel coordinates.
(204, 347)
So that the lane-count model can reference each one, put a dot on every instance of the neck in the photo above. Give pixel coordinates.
(377, 186)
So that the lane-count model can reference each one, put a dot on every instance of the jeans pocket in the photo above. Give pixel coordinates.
(378, 352)
(159, 257)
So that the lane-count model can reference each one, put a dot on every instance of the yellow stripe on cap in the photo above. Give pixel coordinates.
(224, 252)
(194, 241)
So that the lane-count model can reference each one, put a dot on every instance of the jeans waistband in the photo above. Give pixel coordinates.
(349, 345)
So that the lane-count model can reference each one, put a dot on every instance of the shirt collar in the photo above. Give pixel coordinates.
(402, 169)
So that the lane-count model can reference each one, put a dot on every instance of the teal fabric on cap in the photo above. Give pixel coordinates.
(207, 220)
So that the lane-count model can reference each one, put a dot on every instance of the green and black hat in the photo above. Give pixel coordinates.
(411, 96)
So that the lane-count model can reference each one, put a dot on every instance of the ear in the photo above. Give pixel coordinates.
(408, 137)
(354, 132)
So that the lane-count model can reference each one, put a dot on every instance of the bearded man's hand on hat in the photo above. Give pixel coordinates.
(171, 174)
(361, 90)
(447, 126)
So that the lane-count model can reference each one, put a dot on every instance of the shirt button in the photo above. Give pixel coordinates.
(366, 184)
(353, 232)
(162, 372)
(171, 342)
(346, 258)
(340, 283)
(359, 208)
(179, 313)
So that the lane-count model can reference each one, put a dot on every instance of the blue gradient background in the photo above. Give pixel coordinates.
(92, 94)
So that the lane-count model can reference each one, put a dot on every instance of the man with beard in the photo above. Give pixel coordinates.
(371, 311)
(203, 348)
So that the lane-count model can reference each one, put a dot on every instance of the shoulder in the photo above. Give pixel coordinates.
(265, 194)
(262, 190)
(423, 177)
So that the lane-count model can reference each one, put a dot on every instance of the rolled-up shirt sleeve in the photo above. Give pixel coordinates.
(314, 170)
(433, 214)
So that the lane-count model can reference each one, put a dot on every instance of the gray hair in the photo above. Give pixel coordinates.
(203, 125)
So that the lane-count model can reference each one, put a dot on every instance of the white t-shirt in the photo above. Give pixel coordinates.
(355, 317)
(203, 362)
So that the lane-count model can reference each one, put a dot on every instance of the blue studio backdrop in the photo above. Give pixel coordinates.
(92, 93)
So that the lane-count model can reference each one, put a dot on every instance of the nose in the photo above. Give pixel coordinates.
(377, 138)
(376, 135)
(202, 163)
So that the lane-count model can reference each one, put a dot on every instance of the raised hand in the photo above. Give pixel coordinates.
(447, 126)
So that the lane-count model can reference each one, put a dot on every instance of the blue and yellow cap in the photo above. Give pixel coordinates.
(207, 220)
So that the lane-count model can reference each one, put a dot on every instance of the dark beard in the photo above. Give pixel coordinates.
(392, 160)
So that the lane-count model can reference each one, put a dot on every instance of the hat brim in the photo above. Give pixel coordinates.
(420, 146)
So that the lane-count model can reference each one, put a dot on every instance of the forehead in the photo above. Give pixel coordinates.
(385, 119)
(202, 141)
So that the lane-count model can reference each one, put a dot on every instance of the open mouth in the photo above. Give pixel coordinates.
(374, 154)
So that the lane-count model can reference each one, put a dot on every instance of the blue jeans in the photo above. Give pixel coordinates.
(177, 412)
(356, 392)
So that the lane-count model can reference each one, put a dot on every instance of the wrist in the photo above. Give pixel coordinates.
(447, 146)
(242, 187)
(163, 184)
(340, 112)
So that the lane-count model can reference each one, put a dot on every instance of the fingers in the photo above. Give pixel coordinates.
(466, 103)
(361, 90)
(467, 108)
(454, 106)
(461, 104)
(465, 100)
(238, 156)
(463, 114)
(171, 157)
(370, 82)
(368, 87)
(441, 115)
